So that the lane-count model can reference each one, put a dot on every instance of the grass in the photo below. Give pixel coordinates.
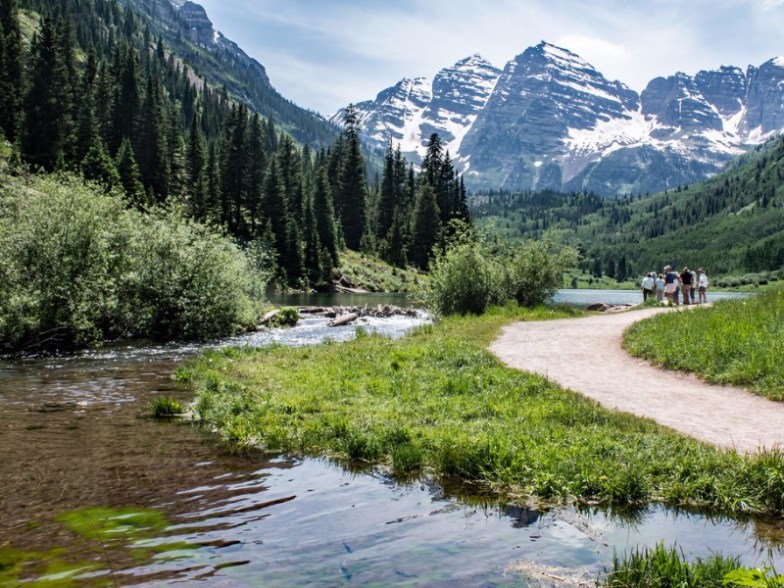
(375, 275)
(738, 342)
(437, 403)
(165, 407)
(667, 568)
(661, 567)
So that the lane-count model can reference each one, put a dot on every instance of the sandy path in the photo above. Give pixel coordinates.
(585, 355)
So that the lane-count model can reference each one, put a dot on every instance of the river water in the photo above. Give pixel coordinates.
(93, 492)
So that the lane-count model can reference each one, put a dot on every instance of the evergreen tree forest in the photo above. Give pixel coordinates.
(732, 223)
(88, 89)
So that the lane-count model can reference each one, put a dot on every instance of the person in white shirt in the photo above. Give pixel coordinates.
(648, 284)
(702, 282)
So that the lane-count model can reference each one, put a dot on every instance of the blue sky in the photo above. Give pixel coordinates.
(324, 54)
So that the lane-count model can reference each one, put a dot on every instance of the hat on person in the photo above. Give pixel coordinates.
(667, 267)
(700, 270)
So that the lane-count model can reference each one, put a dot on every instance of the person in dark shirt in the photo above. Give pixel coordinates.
(686, 279)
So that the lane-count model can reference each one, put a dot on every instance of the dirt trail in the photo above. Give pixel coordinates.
(585, 355)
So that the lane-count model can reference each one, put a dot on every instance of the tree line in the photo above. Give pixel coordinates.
(93, 92)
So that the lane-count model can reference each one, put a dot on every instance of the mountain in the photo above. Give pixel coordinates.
(550, 120)
(410, 111)
(188, 30)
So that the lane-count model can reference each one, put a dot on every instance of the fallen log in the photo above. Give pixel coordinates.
(345, 319)
(347, 290)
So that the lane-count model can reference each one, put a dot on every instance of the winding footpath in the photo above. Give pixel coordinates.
(585, 355)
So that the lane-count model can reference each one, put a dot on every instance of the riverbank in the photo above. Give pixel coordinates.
(437, 403)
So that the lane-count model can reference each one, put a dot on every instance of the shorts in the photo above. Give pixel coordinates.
(669, 289)
(703, 289)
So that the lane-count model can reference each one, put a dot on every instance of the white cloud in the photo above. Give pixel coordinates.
(324, 55)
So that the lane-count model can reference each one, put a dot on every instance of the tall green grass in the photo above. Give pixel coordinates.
(661, 567)
(668, 568)
(739, 342)
(438, 403)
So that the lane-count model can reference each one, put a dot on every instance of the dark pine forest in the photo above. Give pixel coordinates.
(86, 88)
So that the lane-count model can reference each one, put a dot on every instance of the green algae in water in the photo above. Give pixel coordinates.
(16, 566)
(134, 534)
(105, 524)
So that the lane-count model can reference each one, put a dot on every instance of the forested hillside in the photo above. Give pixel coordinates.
(732, 223)
(86, 86)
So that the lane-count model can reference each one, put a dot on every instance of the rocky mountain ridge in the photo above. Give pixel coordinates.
(549, 119)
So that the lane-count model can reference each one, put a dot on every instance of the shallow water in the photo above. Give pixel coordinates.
(585, 297)
(164, 503)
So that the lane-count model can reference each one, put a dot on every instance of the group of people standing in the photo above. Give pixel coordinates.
(671, 285)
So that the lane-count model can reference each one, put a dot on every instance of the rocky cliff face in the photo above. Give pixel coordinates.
(551, 120)
(198, 24)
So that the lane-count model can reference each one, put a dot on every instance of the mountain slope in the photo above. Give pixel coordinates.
(731, 223)
(551, 120)
(187, 29)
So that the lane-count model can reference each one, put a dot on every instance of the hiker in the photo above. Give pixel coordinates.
(703, 286)
(670, 285)
(686, 284)
(693, 290)
(648, 284)
(660, 287)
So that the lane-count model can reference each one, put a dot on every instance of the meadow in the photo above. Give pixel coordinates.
(438, 404)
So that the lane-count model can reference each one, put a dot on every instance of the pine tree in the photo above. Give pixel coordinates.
(256, 166)
(45, 135)
(325, 217)
(234, 167)
(151, 145)
(130, 178)
(128, 100)
(389, 193)
(352, 184)
(427, 226)
(196, 171)
(98, 166)
(11, 78)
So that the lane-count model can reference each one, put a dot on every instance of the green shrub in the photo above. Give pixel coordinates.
(465, 280)
(468, 278)
(287, 317)
(536, 271)
(77, 268)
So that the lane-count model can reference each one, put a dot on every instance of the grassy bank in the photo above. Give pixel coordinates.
(373, 275)
(739, 342)
(438, 403)
(661, 567)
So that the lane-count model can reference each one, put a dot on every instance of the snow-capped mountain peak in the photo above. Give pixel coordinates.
(551, 120)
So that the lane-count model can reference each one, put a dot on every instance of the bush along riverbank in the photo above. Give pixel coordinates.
(78, 268)
(739, 342)
(437, 403)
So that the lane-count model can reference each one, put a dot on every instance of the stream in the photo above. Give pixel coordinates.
(93, 492)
